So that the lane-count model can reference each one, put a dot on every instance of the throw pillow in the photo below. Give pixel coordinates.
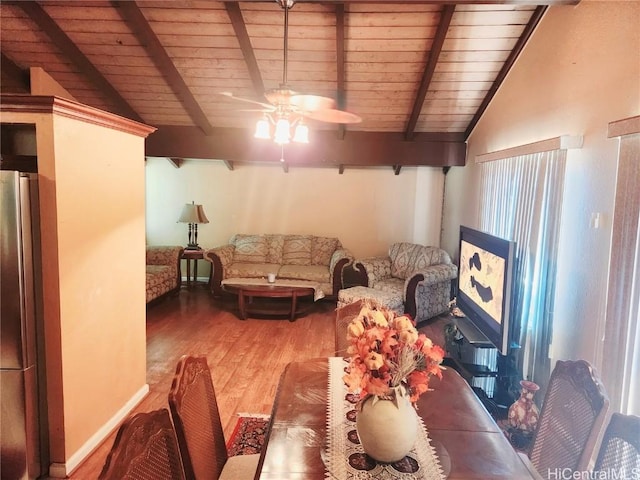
(407, 258)
(297, 250)
(275, 244)
(250, 249)
(402, 255)
(322, 249)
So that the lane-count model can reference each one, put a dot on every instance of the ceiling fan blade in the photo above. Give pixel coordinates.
(241, 99)
(332, 115)
(312, 103)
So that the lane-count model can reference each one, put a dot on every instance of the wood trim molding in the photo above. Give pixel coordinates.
(558, 143)
(68, 108)
(627, 126)
(176, 162)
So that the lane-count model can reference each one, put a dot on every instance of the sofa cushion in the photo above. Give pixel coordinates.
(322, 249)
(250, 270)
(250, 249)
(392, 285)
(407, 258)
(158, 274)
(275, 245)
(392, 301)
(314, 273)
(297, 250)
(159, 280)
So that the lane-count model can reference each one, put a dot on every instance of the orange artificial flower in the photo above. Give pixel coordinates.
(386, 351)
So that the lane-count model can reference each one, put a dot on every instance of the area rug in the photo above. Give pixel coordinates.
(248, 435)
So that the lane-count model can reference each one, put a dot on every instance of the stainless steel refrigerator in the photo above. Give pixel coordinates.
(23, 436)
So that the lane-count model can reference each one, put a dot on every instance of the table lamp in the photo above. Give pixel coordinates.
(193, 215)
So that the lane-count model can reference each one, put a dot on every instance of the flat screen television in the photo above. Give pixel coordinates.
(485, 282)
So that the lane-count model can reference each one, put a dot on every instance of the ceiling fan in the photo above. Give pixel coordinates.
(287, 108)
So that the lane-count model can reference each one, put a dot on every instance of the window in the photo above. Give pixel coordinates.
(521, 200)
(620, 356)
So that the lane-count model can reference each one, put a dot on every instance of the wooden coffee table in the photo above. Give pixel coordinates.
(247, 295)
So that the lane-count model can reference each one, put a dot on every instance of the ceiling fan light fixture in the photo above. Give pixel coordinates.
(263, 129)
(301, 133)
(282, 134)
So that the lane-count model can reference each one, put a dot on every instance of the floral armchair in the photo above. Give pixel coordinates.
(420, 275)
(163, 275)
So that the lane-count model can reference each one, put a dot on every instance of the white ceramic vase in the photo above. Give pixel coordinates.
(387, 428)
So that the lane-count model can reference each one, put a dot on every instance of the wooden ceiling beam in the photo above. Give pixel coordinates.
(240, 29)
(64, 43)
(502, 74)
(435, 2)
(14, 73)
(357, 149)
(430, 68)
(137, 22)
(340, 69)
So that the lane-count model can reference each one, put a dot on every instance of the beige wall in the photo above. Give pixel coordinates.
(99, 176)
(91, 185)
(367, 209)
(41, 83)
(580, 71)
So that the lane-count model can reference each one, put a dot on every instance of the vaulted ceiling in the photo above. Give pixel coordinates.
(419, 73)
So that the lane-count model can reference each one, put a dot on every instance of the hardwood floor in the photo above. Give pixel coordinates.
(246, 358)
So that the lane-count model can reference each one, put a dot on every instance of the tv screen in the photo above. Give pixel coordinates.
(485, 284)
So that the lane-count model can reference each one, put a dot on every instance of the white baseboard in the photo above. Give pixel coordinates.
(62, 470)
(204, 280)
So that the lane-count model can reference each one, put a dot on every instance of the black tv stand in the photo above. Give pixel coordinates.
(462, 338)
(471, 333)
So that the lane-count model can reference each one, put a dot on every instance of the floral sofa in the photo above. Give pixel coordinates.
(413, 278)
(163, 271)
(297, 257)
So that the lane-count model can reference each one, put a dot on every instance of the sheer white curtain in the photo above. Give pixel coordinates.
(521, 200)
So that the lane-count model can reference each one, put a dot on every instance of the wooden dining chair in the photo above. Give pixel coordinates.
(194, 409)
(620, 449)
(145, 448)
(571, 420)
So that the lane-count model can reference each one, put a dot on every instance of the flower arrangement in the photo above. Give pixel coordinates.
(386, 351)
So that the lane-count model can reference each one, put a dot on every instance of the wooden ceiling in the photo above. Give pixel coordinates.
(420, 74)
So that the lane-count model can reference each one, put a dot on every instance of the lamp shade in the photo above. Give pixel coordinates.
(192, 213)
(301, 134)
(281, 136)
(262, 129)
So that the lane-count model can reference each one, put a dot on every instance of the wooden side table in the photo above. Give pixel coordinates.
(194, 255)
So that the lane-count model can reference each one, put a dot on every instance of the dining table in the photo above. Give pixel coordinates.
(465, 440)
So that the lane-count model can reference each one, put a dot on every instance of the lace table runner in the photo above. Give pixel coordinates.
(344, 457)
(317, 295)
